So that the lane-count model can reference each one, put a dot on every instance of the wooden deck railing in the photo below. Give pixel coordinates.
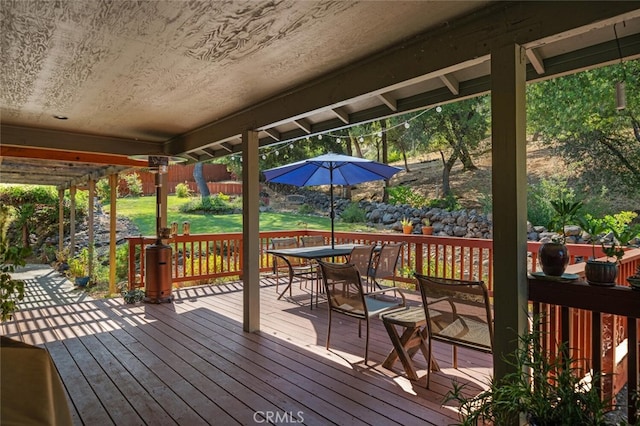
(203, 258)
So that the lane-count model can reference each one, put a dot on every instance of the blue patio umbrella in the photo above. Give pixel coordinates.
(330, 169)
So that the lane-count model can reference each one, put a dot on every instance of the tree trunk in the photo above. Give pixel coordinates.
(385, 158)
(201, 182)
(404, 158)
(447, 165)
(356, 145)
(25, 235)
(465, 157)
(350, 143)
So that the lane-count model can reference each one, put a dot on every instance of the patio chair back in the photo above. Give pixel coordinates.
(386, 261)
(282, 243)
(312, 240)
(289, 266)
(458, 312)
(361, 257)
(345, 295)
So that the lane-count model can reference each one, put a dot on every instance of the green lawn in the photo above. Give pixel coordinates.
(142, 211)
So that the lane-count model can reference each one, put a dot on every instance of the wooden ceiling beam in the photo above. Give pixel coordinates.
(342, 114)
(275, 135)
(451, 82)
(76, 142)
(389, 101)
(75, 157)
(304, 125)
(536, 60)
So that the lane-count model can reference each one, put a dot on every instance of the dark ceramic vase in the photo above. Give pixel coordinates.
(601, 273)
(554, 258)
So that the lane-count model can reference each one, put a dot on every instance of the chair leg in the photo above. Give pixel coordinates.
(329, 330)
(360, 328)
(429, 356)
(455, 356)
(366, 346)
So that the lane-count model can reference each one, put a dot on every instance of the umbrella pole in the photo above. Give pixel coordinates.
(333, 213)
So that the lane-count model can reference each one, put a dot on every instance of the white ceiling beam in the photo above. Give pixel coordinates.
(342, 114)
(451, 82)
(66, 141)
(208, 152)
(536, 60)
(273, 133)
(226, 146)
(389, 101)
(304, 125)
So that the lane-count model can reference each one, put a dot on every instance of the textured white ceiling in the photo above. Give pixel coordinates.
(154, 69)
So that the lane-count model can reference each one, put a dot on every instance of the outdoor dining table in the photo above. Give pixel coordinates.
(32, 392)
(312, 253)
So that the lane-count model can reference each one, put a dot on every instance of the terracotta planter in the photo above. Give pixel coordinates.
(407, 229)
(554, 258)
(601, 273)
(427, 230)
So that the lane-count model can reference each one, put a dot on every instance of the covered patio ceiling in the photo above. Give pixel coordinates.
(87, 84)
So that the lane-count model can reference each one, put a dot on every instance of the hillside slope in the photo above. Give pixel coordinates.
(470, 187)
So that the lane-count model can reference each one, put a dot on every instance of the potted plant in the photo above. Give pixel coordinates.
(62, 257)
(545, 386)
(78, 268)
(554, 255)
(604, 272)
(634, 280)
(407, 226)
(427, 229)
(132, 296)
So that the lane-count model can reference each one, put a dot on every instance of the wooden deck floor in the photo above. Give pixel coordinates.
(189, 362)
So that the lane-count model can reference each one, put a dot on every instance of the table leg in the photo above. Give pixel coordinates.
(288, 287)
(405, 347)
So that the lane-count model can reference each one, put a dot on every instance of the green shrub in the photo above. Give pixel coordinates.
(305, 209)
(103, 190)
(449, 203)
(183, 190)
(133, 184)
(11, 290)
(353, 214)
(35, 209)
(216, 204)
(79, 264)
(399, 195)
(486, 202)
(539, 197)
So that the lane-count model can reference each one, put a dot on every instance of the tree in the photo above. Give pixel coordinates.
(455, 130)
(11, 290)
(35, 207)
(577, 114)
(202, 183)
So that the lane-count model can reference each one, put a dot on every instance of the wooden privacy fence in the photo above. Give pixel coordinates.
(203, 258)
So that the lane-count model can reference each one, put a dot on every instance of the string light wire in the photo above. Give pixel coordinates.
(276, 147)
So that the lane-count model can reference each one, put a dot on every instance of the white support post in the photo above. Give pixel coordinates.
(250, 231)
(60, 219)
(509, 189)
(92, 194)
(113, 184)
(72, 221)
